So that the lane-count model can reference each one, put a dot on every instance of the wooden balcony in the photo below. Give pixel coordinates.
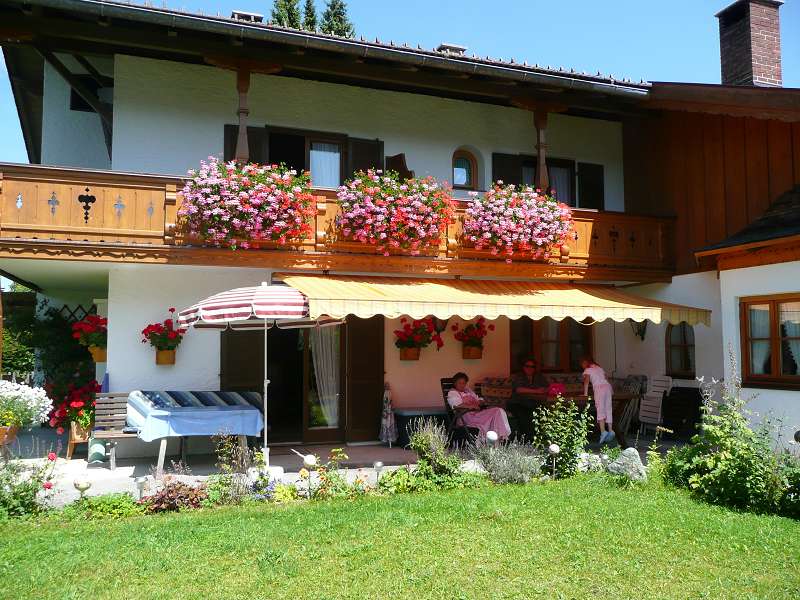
(75, 214)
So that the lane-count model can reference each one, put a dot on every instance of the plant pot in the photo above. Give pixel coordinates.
(409, 353)
(471, 352)
(564, 251)
(8, 434)
(165, 357)
(98, 354)
(78, 433)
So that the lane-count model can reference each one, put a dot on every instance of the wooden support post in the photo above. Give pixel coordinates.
(1, 332)
(243, 86)
(542, 176)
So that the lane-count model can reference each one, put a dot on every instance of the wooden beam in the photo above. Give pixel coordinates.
(542, 176)
(100, 79)
(242, 87)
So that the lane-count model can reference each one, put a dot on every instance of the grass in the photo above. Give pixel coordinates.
(569, 539)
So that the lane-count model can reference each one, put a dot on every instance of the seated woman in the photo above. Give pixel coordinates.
(483, 419)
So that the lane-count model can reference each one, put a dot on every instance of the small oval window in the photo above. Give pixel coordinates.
(464, 170)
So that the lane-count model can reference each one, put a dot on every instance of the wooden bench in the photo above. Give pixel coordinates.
(110, 417)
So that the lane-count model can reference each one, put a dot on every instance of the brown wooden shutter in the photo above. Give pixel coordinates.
(241, 361)
(256, 141)
(362, 155)
(591, 189)
(364, 377)
(397, 162)
(507, 168)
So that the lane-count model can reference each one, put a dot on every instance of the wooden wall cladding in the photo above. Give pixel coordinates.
(714, 173)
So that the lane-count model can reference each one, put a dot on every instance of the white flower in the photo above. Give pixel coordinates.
(23, 405)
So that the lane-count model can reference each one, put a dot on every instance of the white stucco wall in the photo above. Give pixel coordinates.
(416, 383)
(756, 281)
(168, 116)
(71, 138)
(622, 353)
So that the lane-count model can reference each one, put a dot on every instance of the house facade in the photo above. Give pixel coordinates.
(117, 102)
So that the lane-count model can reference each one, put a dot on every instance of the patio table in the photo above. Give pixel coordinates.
(165, 414)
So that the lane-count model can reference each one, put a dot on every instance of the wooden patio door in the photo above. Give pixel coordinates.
(364, 372)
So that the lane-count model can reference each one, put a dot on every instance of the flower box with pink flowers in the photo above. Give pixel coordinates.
(231, 205)
(379, 214)
(515, 223)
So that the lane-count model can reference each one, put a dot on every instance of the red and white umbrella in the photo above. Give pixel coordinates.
(258, 307)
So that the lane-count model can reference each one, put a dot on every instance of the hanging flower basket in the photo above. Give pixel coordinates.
(92, 332)
(515, 222)
(381, 214)
(471, 338)
(409, 353)
(165, 338)
(471, 352)
(231, 205)
(415, 335)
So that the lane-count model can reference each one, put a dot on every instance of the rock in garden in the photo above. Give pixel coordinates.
(629, 464)
(589, 462)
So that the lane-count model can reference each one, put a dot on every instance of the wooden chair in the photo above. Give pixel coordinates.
(111, 414)
(651, 402)
(455, 416)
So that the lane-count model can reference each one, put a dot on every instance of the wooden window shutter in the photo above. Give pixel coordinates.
(397, 162)
(363, 154)
(257, 143)
(507, 168)
(364, 377)
(591, 189)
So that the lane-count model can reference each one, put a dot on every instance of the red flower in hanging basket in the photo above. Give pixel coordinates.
(473, 333)
(164, 335)
(419, 333)
(92, 330)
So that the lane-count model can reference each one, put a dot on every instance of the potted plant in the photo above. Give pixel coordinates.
(471, 338)
(415, 335)
(390, 216)
(76, 408)
(21, 406)
(92, 332)
(232, 205)
(165, 338)
(509, 221)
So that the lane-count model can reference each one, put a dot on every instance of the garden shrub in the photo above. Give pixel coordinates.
(107, 506)
(509, 462)
(790, 473)
(436, 469)
(230, 485)
(175, 496)
(564, 424)
(285, 493)
(729, 462)
(23, 488)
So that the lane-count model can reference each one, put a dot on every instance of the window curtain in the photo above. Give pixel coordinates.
(561, 182)
(790, 323)
(325, 354)
(759, 349)
(325, 164)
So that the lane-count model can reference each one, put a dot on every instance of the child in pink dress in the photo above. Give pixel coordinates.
(487, 419)
(603, 394)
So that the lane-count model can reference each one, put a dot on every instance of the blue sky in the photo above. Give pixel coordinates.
(672, 40)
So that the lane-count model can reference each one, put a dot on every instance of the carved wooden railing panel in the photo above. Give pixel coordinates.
(72, 204)
(48, 203)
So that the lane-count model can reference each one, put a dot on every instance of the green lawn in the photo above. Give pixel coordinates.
(570, 539)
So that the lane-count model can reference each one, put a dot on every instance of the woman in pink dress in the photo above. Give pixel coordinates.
(484, 419)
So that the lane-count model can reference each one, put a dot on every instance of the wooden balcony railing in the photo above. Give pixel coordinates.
(49, 204)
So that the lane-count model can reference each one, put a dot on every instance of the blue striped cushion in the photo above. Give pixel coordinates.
(167, 400)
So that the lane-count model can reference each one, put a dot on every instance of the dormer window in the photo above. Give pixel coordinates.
(465, 171)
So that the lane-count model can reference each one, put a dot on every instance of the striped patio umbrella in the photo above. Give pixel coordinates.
(258, 307)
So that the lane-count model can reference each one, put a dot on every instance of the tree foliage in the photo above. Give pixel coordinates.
(286, 13)
(335, 20)
(310, 16)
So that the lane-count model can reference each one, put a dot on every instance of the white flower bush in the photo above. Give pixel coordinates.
(22, 405)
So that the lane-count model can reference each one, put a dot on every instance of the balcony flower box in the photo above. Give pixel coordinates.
(382, 215)
(230, 205)
(515, 222)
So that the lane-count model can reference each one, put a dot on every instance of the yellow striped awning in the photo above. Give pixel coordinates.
(363, 296)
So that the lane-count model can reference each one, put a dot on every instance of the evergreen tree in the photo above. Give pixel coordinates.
(335, 20)
(309, 16)
(286, 13)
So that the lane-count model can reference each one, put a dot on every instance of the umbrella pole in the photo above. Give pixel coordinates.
(266, 385)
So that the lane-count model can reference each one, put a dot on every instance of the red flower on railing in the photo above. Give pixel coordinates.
(164, 335)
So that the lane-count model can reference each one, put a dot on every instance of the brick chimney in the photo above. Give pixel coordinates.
(750, 43)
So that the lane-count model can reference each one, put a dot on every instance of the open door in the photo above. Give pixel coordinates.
(364, 373)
